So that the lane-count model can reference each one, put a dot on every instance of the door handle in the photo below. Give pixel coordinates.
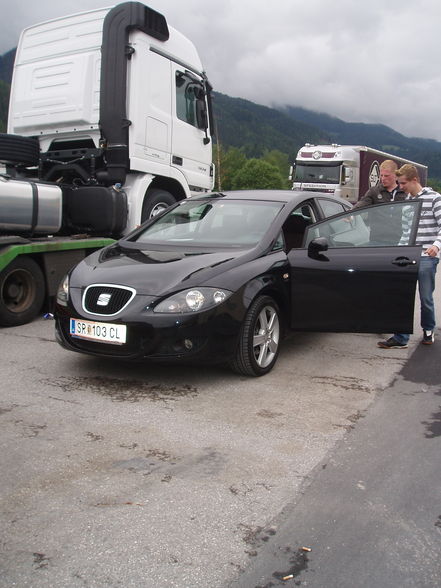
(403, 261)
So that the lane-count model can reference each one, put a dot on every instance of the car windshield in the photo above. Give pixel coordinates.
(213, 223)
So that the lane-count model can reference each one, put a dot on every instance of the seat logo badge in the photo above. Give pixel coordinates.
(104, 299)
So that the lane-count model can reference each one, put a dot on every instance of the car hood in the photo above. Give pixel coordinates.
(155, 273)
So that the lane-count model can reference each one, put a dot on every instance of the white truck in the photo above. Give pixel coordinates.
(345, 170)
(109, 123)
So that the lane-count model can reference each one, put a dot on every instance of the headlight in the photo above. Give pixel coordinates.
(193, 300)
(63, 291)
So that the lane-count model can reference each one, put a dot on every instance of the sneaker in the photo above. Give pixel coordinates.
(428, 338)
(391, 343)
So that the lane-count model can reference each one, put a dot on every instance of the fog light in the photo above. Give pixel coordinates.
(188, 344)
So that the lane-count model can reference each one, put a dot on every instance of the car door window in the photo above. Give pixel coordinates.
(296, 224)
(330, 207)
(395, 222)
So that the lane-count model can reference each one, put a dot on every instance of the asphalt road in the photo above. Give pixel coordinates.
(116, 475)
(372, 515)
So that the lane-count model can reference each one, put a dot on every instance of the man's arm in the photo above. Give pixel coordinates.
(366, 200)
(433, 250)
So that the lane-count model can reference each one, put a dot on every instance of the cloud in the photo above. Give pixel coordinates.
(374, 62)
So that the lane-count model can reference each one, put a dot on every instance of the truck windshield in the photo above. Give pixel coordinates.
(317, 174)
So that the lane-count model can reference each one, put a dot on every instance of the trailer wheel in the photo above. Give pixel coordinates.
(16, 149)
(156, 201)
(22, 292)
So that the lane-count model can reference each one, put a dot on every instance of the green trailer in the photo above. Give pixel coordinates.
(31, 270)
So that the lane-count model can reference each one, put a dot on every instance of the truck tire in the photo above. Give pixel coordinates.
(155, 202)
(22, 292)
(16, 149)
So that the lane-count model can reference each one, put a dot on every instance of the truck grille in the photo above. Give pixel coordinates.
(107, 300)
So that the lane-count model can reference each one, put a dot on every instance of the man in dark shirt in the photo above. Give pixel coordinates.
(388, 230)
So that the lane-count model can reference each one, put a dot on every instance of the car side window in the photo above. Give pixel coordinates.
(279, 243)
(295, 226)
(330, 207)
(391, 224)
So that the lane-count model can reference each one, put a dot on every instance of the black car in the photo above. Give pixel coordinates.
(221, 277)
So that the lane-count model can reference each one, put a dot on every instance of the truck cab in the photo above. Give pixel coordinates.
(114, 97)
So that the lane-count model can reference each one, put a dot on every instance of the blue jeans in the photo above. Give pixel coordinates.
(426, 286)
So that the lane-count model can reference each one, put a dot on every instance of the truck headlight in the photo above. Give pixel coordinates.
(63, 291)
(193, 300)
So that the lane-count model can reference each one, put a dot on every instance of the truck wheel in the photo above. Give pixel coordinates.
(19, 150)
(259, 340)
(155, 202)
(22, 292)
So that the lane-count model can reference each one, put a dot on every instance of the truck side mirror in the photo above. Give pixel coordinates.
(347, 174)
(201, 113)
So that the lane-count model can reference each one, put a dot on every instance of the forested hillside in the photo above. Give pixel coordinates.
(6, 64)
(4, 101)
(256, 129)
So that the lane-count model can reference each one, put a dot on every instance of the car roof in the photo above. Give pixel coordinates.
(270, 195)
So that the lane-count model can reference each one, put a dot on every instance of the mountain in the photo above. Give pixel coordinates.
(4, 102)
(6, 65)
(257, 128)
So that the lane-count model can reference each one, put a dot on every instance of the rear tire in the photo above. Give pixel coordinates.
(259, 340)
(155, 202)
(22, 292)
(19, 150)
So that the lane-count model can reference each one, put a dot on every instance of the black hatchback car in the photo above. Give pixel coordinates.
(221, 277)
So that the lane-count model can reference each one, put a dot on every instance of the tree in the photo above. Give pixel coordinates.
(228, 163)
(257, 174)
(435, 184)
(281, 161)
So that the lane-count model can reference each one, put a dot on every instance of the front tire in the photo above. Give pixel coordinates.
(22, 292)
(156, 201)
(259, 340)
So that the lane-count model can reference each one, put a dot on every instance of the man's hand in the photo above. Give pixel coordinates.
(432, 251)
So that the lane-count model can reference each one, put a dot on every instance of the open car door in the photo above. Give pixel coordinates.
(342, 281)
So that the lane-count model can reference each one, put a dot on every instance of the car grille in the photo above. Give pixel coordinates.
(107, 300)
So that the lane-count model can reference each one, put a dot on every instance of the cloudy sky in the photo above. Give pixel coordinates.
(376, 62)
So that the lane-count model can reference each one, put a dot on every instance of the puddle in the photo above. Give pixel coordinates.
(206, 463)
(124, 390)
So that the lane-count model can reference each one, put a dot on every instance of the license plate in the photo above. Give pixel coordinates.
(108, 332)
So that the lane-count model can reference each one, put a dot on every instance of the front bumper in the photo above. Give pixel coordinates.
(211, 335)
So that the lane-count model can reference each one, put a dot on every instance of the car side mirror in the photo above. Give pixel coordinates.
(318, 245)
(315, 248)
